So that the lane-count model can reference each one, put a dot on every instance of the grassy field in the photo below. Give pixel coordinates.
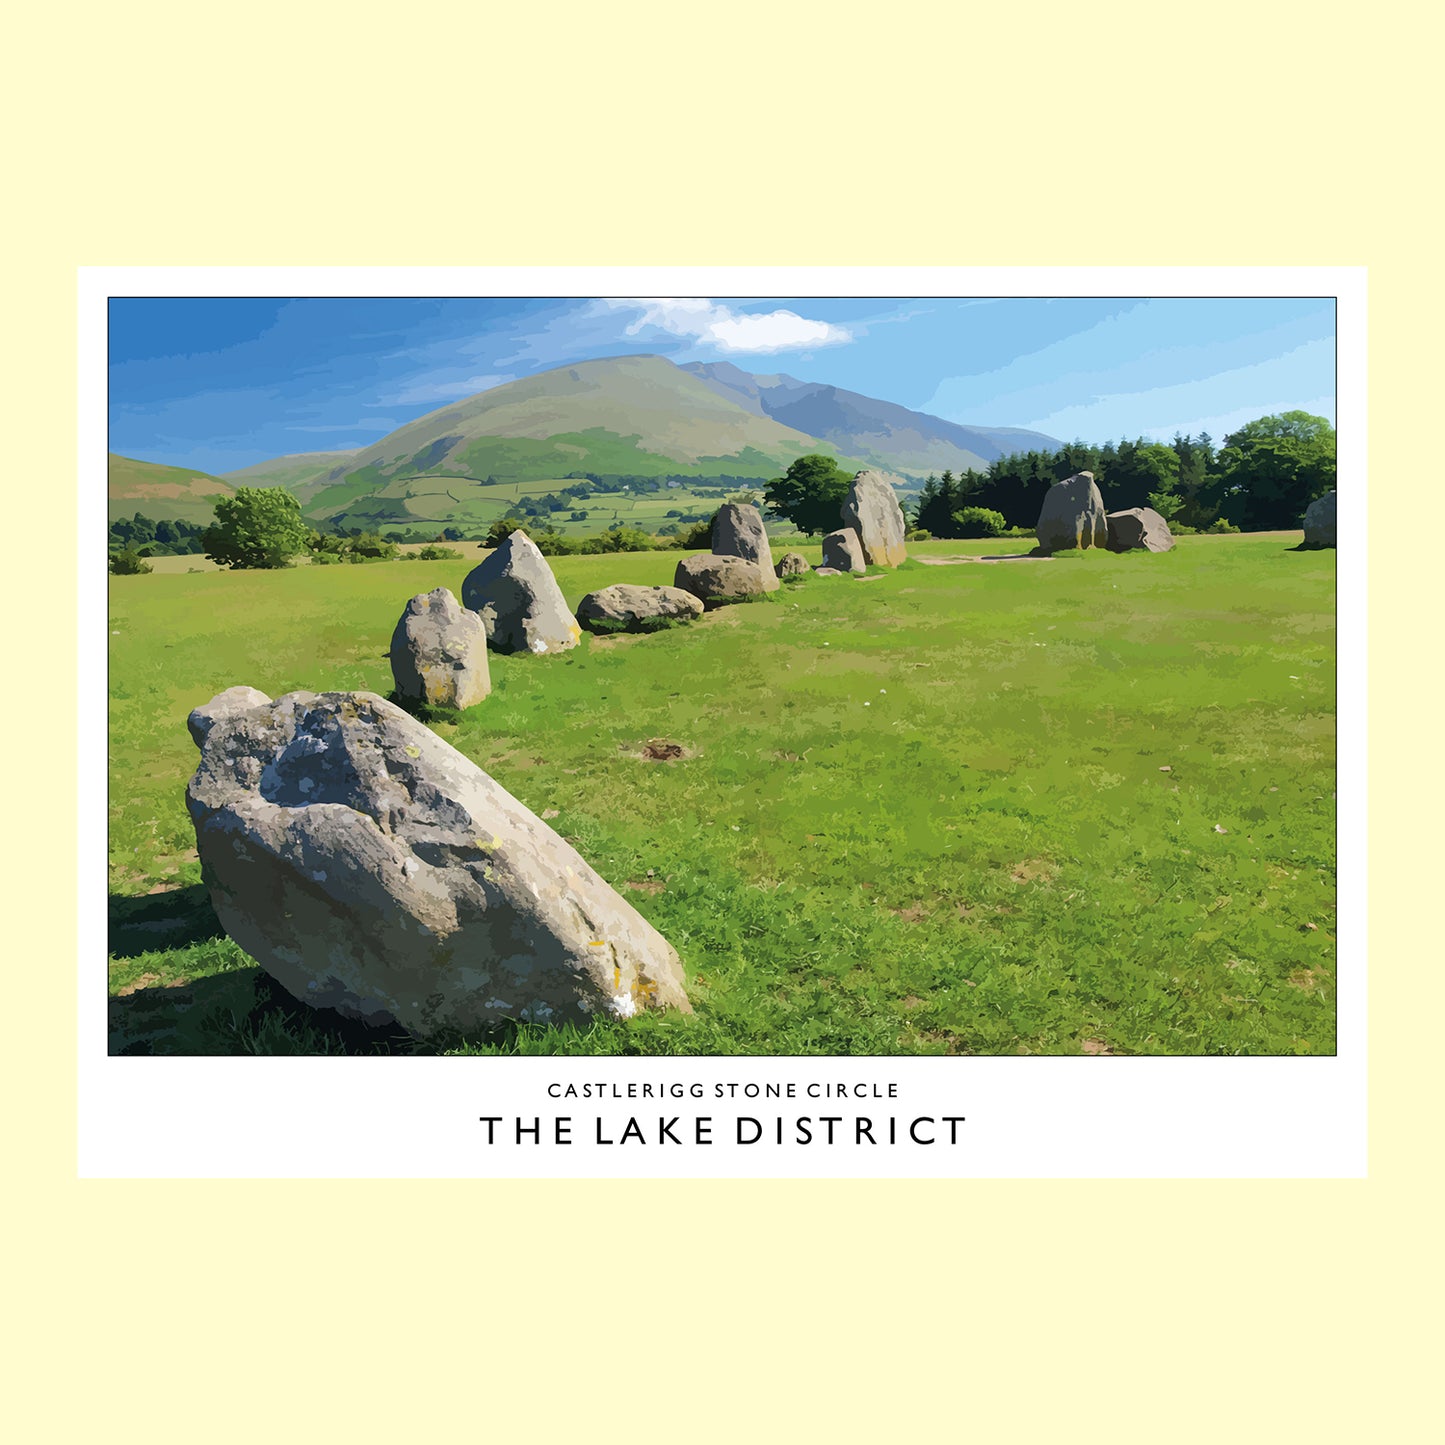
(1084, 805)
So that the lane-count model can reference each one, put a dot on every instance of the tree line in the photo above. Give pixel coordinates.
(1261, 478)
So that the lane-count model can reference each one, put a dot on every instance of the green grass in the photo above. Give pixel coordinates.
(956, 809)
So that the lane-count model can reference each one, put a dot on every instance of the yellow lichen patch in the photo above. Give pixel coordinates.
(413, 752)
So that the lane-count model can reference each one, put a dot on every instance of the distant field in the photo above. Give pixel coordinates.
(1076, 806)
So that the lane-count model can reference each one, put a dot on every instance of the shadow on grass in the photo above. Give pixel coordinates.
(174, 919)
(239, 1012)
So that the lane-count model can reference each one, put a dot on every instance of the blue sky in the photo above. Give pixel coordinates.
(217, 384)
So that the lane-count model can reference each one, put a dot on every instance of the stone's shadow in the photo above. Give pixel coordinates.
(239, 1012)
(421, 711)
(174, 919)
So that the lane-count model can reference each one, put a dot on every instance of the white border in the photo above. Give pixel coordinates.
(1026, 1118)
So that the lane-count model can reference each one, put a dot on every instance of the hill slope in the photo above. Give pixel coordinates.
(882, 432)
(303, 473)
(161, 492)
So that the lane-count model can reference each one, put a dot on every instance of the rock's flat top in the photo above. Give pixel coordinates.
(370, 867)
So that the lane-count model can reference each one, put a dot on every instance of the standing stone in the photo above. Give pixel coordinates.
(1320, 521)
(871, 509)
(519, 601)
(843, 550)
(369, 867)
(738, 531)
(439, 652)
(791, 564)
(626, 608)
(1073, 516)
(717, 580)
(1139, 529)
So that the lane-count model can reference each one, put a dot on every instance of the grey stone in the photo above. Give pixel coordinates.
(627, 608)
(1072, 515)
(439, 652)
(738, 531)
(843, 551)
(829, 572)
(233, 700)
(791, 564)
(521, 606)
(718, 580)
(1320, 522)
(1139, 529)
(872, 510)
(369, 867)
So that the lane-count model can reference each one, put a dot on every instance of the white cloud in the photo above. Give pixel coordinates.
(713, 323)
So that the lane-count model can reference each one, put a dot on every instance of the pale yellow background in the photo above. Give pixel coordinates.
(769, 133)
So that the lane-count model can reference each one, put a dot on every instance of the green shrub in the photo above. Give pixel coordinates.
(918, 534)
(979, 522)
(1221, 525)
(128, 563)
(435, 554)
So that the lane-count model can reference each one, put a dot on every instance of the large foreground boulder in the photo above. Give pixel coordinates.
(1139, 529)
(716, 580)
(738, 531)
(1320, 522)
(369, 867)
(627, 608)
(439, 652)
(521, 606)
(842, 550)
(1073, 515)
(791, 564)
(872, 510)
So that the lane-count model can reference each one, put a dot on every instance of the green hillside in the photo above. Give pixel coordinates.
(161, 492)
(303, 473)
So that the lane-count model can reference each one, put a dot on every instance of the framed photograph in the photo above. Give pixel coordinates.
(848, 722)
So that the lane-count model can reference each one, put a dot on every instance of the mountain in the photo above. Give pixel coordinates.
(303, 473)
(620, 417)
(161, 492)
(625, 415)
(883, 433)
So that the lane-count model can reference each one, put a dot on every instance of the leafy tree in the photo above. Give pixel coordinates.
(1271, 469)
(258, 527)
(810, 494)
